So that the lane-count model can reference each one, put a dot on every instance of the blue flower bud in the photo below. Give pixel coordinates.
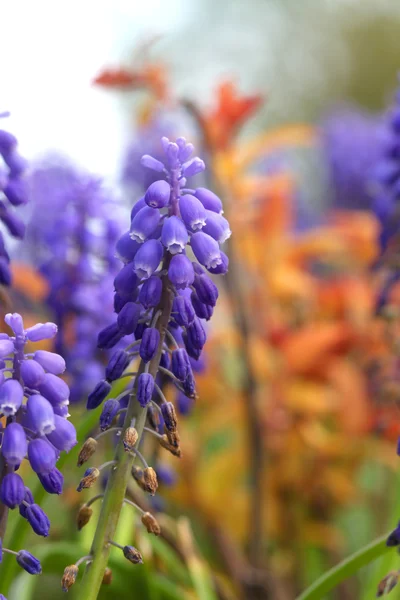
(32, 373)
(169, 416)
(185, 149)
(14, 320)
(109, 336)
(27, 561)
(150, 293)
(52, 482)
(180, 271)
(15, 226)
(110, 409)
(63, 437)
(152, 163)
(180, 365)
(148, 258)
(41, 331)
(7, 141)
(182, 310)
(38, 520)
(206, 250)
(12, 490)
(39, 415)
(206, 289)
(193, 166)
(16, 189)
(53, 363)
(189, 387)
(144, 223)
(15, 445)
(174, 235)
(117, 365)
(28, 497)
(149, 343)
(54, 389)
(192, 212)
(165, 360)
(137, 206)
(158, 194)
(126, 248)
(101, 391)
(209, 200)
(145, 388)
(11, 396)
(61, 410)
(5, 272)
(128, 317)
(126, 281)
(6, 348)
(120, 301)
(203, 311)
(222, 268)
(217, 226)
(42, 456)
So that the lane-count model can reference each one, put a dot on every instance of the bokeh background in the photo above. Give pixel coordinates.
(289, 459)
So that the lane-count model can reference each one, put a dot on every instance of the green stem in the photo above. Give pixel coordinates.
(345, 569)
(119, 477)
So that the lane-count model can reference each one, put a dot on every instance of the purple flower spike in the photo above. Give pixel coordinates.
(15, 445)
(144, 223)
(42, 456)
(182, 311)
(180, 271)
(149, 343)
(148, 258)
(38, 520)
(174, 235)
(209, 200)
(206, 250)
(40, 415)
(54, 389)
(217, 226)
(193, 212)
(52, 482)
(41, 331)
(158, 193)
(6, 348)
(150, 293)
(53, 363)
(27, 561)
(110, 409)
(128, 318)
(11, 396)
(117, 365)
(100, 392)
(126, 248)
(12, 490)
(145, 388)
(32, 373)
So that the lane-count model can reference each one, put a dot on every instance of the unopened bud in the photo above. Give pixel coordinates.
(87, 450)
(137, 474)
(152, 417)
(83, 517)
(132, 554)
(69, 577)
(173, 438)
(89, 479)
(150, 480)
(151, 523)
(175, 450)
(107, 577)
(169, 416)
(130, 438)
(387, 583)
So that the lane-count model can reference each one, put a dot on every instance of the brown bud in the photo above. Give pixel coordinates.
(173, 438)
(89, 479)
(150, 480)
(170, 418)
(83, 517)
(130, 438)
(153, 417)
(137, 474)
(164, 442)
(387, 583)
(107, 577)
(87, 450)
(69, 577)
(151, 523)
(132, 554)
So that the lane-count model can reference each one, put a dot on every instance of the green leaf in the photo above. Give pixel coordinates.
(345, 569)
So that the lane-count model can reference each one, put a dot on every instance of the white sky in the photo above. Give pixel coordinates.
(50, 51)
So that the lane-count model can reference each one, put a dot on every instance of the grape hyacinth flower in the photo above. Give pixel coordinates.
(34, 401)
(74, 228)
(13, 193)
(162, 295)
